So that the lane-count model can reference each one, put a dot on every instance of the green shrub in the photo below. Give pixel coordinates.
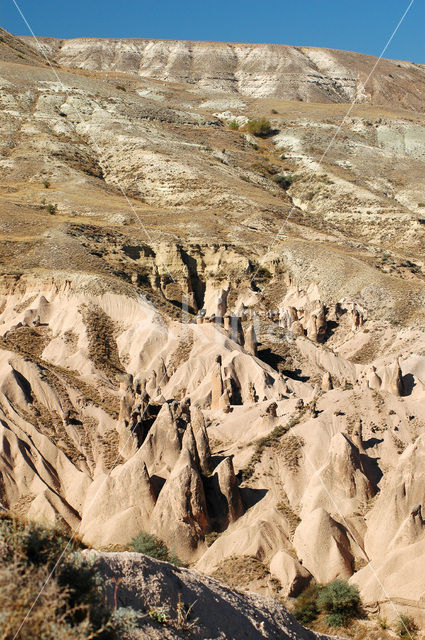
(284, 181)
(274, 111)
(306, 609)
(341, 602)
(259, 127)
(51, 208)
(336, 620)
(406, 627)
(46, 184)
(152, 546)
(234, 125)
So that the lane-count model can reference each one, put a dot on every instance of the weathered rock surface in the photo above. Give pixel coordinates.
(215, 611)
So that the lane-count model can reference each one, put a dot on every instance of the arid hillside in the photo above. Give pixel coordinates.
(210, 331)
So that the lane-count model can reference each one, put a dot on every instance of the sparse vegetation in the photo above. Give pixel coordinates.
(103, 349)
(183, 615)
(51, 208)
(46, 184)
(262, 274)
(241, 571)
(284, 180)
(211, 537)
(286, 510)
(291, 451)
(271, 440)
(260, 127)
(406, 627)
(234, 125)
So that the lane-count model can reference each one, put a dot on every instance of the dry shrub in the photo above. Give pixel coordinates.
(50, 600)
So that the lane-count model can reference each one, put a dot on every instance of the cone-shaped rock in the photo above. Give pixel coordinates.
(228, 487)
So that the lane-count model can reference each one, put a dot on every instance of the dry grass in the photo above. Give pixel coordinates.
(182, 353)
(101, 331)
(109, 443)
(240, 572)
(44, 600)
(275, 440)
(290, 450)
(291, 517)
(28, 341)
(71, 340)
(358, 630)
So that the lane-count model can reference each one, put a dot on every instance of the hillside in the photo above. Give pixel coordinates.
(211, 335)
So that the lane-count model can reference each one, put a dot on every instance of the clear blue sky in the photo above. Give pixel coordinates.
(355, 25)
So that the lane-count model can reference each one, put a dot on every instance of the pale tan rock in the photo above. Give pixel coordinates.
(271, 410)
(224, 401)
(373, 380)
(222, 303)
(357, 320)
(251, 342)
(312, 328)
(327, 382)
(392, 380)
(202, 441)
(323, 547)
(216, 384)
(162, 446)
(180, 515)
(228, 487)
(297, 329)
(162, 375)
(292, 576)
(118, 506)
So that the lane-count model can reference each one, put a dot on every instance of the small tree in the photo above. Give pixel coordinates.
(341, 602)
(259, 127)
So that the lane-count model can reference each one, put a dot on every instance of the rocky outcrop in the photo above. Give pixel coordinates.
(180, 515)
(259, 70)
(228, 488)
(251, 341)
(392, 380)
(293, 577)
(148, 584)
(320, 536)
(216, 384)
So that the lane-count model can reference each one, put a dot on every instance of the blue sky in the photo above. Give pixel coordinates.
(355, 25)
